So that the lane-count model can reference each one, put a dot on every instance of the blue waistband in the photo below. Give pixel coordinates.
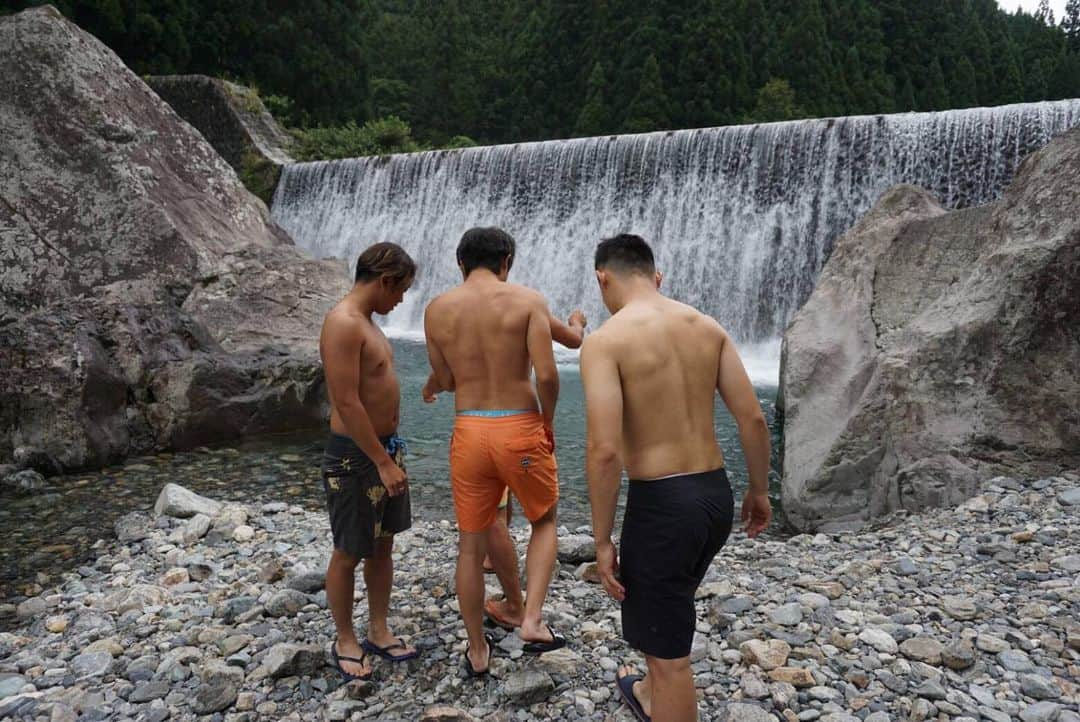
(495, 413)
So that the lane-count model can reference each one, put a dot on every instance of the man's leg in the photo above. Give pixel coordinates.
(539, 566)
(340, 581)
(470, 593)
(669, 686)
(503, 556)
(379, 578)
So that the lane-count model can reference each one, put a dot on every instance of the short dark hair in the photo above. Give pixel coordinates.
(485, 248)
(625, 253)
(385, 259)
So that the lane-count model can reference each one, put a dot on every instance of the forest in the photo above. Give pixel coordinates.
(457, 72)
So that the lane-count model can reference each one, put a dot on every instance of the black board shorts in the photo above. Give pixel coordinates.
(361, 510)
(672, 529)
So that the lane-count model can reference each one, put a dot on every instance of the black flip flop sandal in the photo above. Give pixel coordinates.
(338, 659)
(469, 669)
(557, 642)
(626, 691)
(387, 651)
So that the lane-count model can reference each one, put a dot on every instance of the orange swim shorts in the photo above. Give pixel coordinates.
(489, 454)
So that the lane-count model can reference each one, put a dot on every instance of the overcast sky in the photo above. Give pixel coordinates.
(1058, 6)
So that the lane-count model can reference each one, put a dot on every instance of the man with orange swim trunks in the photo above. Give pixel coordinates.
(483, 338)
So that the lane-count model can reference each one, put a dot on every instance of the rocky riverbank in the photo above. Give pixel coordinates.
(967, 613)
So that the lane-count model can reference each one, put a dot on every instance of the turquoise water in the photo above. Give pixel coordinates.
(427, 429)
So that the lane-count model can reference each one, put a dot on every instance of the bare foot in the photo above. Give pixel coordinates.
(640, 689)
(393, 646)
(503, 613)
(536, 633)
(352, 649)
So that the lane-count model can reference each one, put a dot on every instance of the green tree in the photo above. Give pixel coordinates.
(594, 116)
(1070, 24)
(648, 110)
(775, 101)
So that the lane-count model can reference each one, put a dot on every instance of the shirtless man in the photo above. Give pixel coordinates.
(650, 374)
(363, 470)
(483, 339)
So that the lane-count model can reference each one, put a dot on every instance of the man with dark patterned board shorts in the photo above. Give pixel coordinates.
(650, 375)
(367, 492)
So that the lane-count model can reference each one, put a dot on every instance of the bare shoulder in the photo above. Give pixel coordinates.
(342, 327)
(527, 296)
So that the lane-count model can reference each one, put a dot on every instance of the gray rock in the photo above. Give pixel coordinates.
(908, 311)
(147, 691)
(24, 482)
(1038, 687)
(879, 639)
(528, 686)
(444, 713)
(1069, 497)
(196, 528)
(924, 649)
(958, 656)
(741, 712)
(214, 697)
(1041, 712)
(1069, 563)
(1015, 661)
(788, 615)
(287, 659)
(577, 548)
(10, 684)
(308, 582)
(32, 607)
(148, 278)
(174, 500)
(905, 567)
(285, 603)
(961, 608)
(753, 687)
(736, 605)
(132, 527)
(92, 664)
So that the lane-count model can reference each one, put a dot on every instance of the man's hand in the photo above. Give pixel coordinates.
(550, 434)
(393, 477)
(428, 392)
(607, 564)
(756, 513)
(577, 318)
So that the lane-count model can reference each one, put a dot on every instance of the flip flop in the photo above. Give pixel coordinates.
(385, 652)
(493, 618)
(469, 669)
(338, 659)
(556, 642)
(626, 691)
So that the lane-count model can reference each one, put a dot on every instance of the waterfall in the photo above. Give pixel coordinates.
(741, 218)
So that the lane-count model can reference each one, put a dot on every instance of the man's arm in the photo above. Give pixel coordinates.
(603, 465)
(542, 356)
(341, 350)
(569, 334)
(739, 397)
(441, 378)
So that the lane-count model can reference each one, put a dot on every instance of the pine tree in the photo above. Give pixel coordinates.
(1070, 23)
(775, 101)
(648, 110)
(1035, 85)
(1044, 14)
(964, 91)
(934, 95)
(594, 116)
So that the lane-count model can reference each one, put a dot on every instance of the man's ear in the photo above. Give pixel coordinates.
(659, 279)
(602, 279)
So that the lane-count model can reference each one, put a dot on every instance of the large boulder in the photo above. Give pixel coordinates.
(141, 286)
(937, 348)
(235, 121)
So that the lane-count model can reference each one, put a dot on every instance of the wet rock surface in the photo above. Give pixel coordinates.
(986, 629)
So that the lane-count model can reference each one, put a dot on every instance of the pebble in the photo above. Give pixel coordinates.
(919, 617)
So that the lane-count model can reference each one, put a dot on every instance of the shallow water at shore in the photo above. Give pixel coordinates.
(53, 529)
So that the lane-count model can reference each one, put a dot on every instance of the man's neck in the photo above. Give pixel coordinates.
(482, 275)
(637, 288)
(362, 299)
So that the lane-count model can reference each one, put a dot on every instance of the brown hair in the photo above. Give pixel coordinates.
(385, 259)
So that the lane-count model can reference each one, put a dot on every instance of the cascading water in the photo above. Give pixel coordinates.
(741, 218)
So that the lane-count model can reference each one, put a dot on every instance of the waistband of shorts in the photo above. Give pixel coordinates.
(342, 444)
(495, 413)
(719, 472)
(522, 417)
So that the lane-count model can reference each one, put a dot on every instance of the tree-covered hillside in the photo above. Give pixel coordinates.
(511, 70)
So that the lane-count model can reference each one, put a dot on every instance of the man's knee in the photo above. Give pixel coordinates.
(383, 549)
(343, 559)
(668, 668)
(547, 518)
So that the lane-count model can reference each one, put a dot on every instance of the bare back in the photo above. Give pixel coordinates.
(487, 333)
(668, 357)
